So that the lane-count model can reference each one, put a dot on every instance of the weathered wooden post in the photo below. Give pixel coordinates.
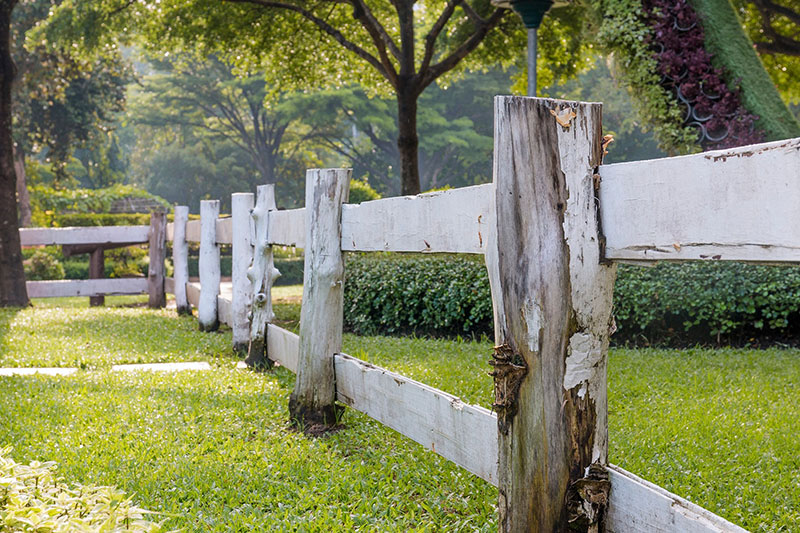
(313, 400)
(261, 275)
(552, 300)
(207, 315)
(97, 271)
(180, 259)
(157, 297)
(242, 251)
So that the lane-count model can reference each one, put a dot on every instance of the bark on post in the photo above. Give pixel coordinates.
(261, 275)
(552, 300)
(242, 251)
(313, 400)
(158, 253)
(207, 315)
(180, 259)
(97, 271)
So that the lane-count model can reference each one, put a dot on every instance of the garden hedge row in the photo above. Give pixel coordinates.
(447, 295)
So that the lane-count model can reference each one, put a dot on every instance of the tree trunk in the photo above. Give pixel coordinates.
(23, 198)
(408, 141)
(12, 276)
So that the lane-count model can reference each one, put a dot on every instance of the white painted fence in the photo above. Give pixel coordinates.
(739, 204)
(99, 238)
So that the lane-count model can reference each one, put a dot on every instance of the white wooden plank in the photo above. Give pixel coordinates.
(638, 506)
(283, 346)
(180, 259)
(738, 205)
(464, 434)
(453, 221)
(169, 285)
(224, 230)
(193, 231)
(288, 227)
(84, 235)
(86, 287)
(170, 231)
(225, 310)
(193, 293)
(208, 266)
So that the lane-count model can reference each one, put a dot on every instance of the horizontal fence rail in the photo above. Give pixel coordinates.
(85, 287)
(731, 205)
(454, 221)
(84, 235)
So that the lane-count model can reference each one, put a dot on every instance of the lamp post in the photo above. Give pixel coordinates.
(531, 12)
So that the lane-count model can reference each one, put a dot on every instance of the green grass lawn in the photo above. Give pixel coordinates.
(213, 451)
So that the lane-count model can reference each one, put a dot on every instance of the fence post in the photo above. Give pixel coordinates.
(180, 259)
(97, 271)
(157, 252)
(261, 276)
(552, 300)
(242, 251)
(208, 266)
(313, 400)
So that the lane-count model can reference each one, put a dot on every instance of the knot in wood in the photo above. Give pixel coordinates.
(587, 500)
(509, 369)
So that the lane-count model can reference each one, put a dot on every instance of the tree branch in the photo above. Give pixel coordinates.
(324, 26)
(380, 37)
(436, 29)
(448, 63)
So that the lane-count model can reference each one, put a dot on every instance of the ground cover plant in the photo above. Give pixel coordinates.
(213, 450)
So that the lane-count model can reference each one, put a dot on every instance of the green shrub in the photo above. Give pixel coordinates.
(291, 269)
(387, 293)
(43, 266)
(361, 191)
(101, 219)
(442, 295)
(32, 498)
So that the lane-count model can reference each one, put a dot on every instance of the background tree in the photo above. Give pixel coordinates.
(12, 276)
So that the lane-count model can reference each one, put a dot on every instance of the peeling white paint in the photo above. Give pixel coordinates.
(532, 314)
(584, 355)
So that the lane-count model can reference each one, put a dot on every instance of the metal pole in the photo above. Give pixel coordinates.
(532, 61)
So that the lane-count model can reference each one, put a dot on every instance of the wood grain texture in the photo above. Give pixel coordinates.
(180, 259)
(208, 266)
(461, 433)
(731, 205)
(84, 235)
(553, 305)
(454, 221)
(638, 506)
(321, 316)
(156, 272)
(85, 287)
(261, 275)
(288, 227)
(242, 257)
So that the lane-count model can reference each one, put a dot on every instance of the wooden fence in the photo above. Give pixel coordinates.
(552, 225)
(95, 240)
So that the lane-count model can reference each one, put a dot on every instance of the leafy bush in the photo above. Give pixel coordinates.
(101, 219)
(361, 191)
(43, 266)
(291, 269)
(46, 201)
(387, 293)
(443, 295)
(33, 499)
(706, 298)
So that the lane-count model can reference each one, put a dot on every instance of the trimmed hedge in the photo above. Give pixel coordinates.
(447, 295)
(387, 293)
